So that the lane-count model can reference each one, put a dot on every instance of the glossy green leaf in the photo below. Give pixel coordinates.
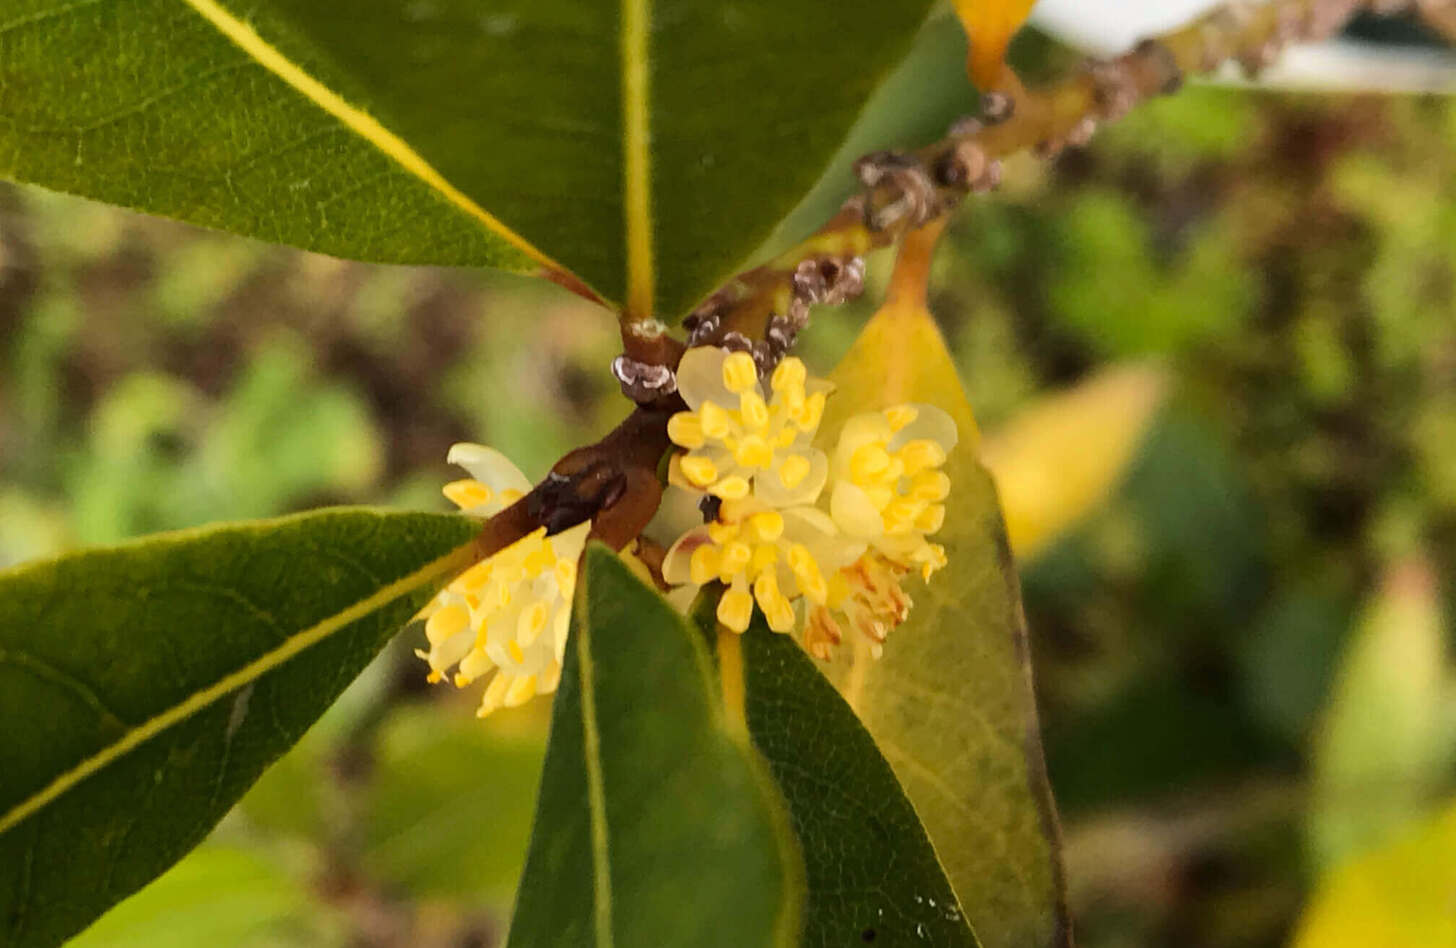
(221, 895)
(144, 687)
(933, 76)
(871, 872)
(950, 703)
(656, 823)
(648, 148)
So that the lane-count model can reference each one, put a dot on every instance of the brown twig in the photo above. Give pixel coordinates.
(615, 482)
(904, 190)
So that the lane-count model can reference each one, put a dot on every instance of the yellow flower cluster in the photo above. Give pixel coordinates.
(506, 617)
(768, 542)
(741, 438)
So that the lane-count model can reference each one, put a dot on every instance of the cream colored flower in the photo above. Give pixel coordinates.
(888, 490)
(763, 555)
(742, 438)
(506, 617)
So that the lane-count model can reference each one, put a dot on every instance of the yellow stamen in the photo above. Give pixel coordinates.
(495, 693)
(467, 493)
(790, 375)
(520, 691)
(755, 413)
(699, 471)
(715, 420)
(753, 451)
(736, 556)
(812, 413)
(931, 486)
(795, 468)
(735, 609)
(740, 373)
(731, 488)
(901, 415)
(931, 519)
(921, 454)
(446, 623)
(686, 430)
(768, 525)
(704, 564)
(869, 463)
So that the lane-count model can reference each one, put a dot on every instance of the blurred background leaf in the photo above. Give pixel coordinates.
(1385, 746)
(219, 895)
(1062, 457)
(1399, 895)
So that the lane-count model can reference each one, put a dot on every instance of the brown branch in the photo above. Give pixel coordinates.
(1440, 16)
(615, 481)
(905, 190)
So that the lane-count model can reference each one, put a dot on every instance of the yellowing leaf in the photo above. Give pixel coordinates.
(990, 24)
(1061, 457)
(1400, 896)
(950, 703)
(1384, 746)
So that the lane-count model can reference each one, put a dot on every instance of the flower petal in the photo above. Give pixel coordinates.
(676, 565)
(700, 378)
(488, 466)
(932, 423)
(769, 486)
(854, 512)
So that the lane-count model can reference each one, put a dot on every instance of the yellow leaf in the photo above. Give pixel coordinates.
(1384, 745)
(1060, 458)
(950, 703)
(989, 25)
(1400, 896)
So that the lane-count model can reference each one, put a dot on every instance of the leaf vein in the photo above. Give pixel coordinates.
(182, 710)
(361, 123)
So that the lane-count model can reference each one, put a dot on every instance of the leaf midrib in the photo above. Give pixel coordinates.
(453, 561)
(364, 125)
(596, 790)
(637, 158)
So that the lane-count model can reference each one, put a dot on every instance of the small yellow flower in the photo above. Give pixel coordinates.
(743, 439)
(507, 616)
(886, 496)
(762, 555)
(888, 487)
(888, 491)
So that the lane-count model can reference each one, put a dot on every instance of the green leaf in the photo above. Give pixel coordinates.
(648, 148)
(933, 76)
(220, 895)
(447, 812)
(872, 874)
(656, 824)
(144, 687)
(950, 703)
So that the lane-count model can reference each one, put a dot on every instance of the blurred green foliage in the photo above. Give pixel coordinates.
(1291, 258)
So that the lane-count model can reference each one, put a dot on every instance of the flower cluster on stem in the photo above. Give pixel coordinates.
(816, 540)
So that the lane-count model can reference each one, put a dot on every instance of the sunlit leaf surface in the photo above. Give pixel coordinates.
(950, 703)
